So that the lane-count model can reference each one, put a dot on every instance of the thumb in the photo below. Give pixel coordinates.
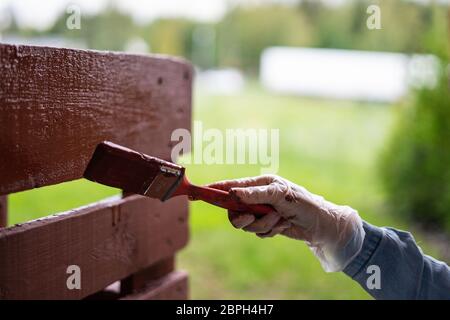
(256, 195)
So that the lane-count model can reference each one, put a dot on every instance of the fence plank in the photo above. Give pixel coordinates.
(173, 286)
(139, 280)
(3, 211)
(108, 241)
(56, 105)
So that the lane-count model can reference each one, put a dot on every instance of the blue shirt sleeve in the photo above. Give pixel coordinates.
(390, 265)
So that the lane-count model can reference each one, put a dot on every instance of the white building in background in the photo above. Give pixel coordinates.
(220, 81)
(344, 74)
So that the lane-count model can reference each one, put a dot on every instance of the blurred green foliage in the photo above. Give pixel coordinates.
(245, 32)
(415, 165)
(110, 30)
(238, 39)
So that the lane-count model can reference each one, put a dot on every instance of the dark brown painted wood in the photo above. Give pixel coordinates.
(108, 241)
(104, 295)
(111, 292)
(3, 211)
(142, 278)
(56, 105)
(173, 286)
(136, 282)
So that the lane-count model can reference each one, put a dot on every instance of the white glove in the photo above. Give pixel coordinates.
(334, 233)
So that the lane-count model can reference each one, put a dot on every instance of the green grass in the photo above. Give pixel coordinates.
(330, 147)
(29, 205)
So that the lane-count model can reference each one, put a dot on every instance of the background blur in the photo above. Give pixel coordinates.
(368, 126)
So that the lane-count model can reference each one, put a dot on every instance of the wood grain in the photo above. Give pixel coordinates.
(3, 211)
(108, 240)
(173, 286)
(56, 105)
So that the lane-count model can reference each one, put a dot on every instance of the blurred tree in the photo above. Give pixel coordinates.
(109, 30)
(244, 33)
(415, 166)
(204, 46)
(345, 27)
(170, 36)
(404, 24)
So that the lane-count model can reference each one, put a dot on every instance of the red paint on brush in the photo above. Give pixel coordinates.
(131, 171)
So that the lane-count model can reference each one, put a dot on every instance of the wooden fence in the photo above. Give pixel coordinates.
(56, 105)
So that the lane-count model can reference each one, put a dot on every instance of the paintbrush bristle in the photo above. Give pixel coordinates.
(131, 171)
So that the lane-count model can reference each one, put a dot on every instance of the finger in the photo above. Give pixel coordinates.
(279, 228)
(267, 194)
(240, 220)
(242, 182)
(263, 224)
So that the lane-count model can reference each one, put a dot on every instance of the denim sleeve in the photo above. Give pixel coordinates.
(390, 265)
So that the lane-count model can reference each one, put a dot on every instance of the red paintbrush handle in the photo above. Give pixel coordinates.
(220, 198)
(224, 200)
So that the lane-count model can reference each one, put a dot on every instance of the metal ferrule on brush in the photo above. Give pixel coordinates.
(165, 182)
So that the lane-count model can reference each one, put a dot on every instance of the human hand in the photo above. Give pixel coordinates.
(333, 232)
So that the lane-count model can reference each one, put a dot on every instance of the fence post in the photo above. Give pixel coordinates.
(3, 211)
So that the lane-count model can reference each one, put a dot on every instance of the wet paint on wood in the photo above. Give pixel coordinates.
(109, 241)
(56, 105)
(142, 278)
(173, 286)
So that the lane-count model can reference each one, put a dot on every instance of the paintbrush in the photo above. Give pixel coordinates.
(135, 172)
